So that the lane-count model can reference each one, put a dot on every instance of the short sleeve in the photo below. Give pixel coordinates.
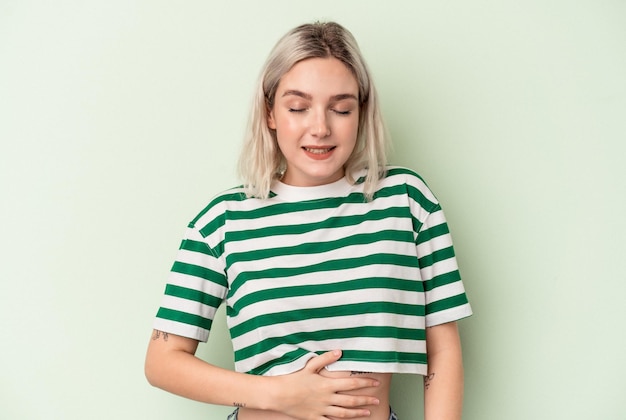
(446, 300)
(196, 286)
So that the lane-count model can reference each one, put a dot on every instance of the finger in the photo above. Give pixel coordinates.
(344, 413)
(354, 401)
(320, 362)
(352, 384)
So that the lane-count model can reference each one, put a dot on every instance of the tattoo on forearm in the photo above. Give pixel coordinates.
(239, 404)
(358, 372)
(427, 380)
(157, 334)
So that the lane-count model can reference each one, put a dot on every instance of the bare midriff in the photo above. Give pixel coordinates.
(378, 412)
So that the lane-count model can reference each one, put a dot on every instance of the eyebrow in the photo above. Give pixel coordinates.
(307, 96)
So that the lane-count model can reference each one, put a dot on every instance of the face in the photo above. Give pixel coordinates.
(316, 118)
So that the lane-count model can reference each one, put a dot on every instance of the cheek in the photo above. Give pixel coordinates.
(287, 126)
(287, 134)
(351, 130)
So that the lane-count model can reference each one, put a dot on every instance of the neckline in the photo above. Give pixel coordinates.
(285, 192)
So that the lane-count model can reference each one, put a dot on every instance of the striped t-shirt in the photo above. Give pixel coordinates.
(313, 269)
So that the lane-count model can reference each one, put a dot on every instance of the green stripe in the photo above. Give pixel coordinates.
(184, 317)
(347, 355)
(403, 171)
(196, 246)
(203, 247)
(325, 312)
(283, 360)
(213, 225)
(446, 303)
(282, 209)
(321, 289)
(320, 247)
(332, 265)
(383, 356)
(433, 232)
(442, 280)
(192, 294)
(234, 196)
(346, 333)
(201, 272)
(330, 223)
(421, 199)
(437, 256)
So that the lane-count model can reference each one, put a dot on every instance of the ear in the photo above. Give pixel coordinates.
(271, 123)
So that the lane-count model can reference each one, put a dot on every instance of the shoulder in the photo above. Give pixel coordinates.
(218, 205)
(399, 175)
(401, 181)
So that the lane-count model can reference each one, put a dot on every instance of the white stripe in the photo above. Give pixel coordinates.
(196, 283)
(442, 267)
(414, 368)
(320, 235)
(448, 315)
(435, 244)
(406, 178)
(341, 365)
(318, 324)
(178, 328)
(364, 343)
(188, 306)
(348, 252)
(435, 219)
(350, 297)
(197, 258)
(313, 215)
(324, 278)
(445, 291)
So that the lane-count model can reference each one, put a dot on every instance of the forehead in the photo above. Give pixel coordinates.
(319, 76)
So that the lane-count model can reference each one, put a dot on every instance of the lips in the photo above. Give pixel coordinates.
(318, 153)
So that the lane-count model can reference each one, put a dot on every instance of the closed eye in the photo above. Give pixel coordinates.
(297, 109)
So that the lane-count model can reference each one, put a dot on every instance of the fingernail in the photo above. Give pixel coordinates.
(337, 352)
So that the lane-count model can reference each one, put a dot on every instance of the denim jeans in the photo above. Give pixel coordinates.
(233, 415)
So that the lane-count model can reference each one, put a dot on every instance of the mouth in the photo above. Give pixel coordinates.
(318, 150)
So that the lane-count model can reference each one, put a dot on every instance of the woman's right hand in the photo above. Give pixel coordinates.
(307, 395)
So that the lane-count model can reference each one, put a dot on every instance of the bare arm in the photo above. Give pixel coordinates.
(171, 365)
(443, 386)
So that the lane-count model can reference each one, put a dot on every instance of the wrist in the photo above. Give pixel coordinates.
(271, 397)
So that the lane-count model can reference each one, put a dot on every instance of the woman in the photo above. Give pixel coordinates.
(337, 270)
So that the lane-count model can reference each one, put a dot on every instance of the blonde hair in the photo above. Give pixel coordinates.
(261, 161)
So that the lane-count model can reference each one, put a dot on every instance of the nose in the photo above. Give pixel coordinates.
(319, 124)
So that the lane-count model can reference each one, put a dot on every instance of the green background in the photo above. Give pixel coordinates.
(120, 119)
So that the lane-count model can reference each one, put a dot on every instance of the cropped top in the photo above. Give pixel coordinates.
(313, 269)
